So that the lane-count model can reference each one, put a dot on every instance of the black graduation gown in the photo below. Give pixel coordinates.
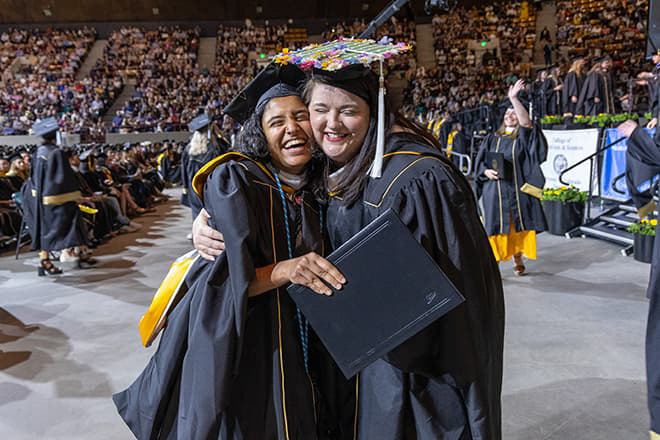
(552, 97)
(504, 200)
(596, 85)
(229, 367)
(445, 382)
(642, 164)
(10, 220)
(572, 87)
(190, 165)
(540, 100)
(50, 202)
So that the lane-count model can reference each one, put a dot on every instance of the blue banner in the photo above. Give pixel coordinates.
(614, 164)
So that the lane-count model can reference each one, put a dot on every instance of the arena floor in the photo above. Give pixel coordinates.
(574, 338)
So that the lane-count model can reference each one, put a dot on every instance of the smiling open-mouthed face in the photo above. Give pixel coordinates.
(285, 123)
(340, 121)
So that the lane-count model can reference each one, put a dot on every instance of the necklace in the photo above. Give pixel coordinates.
(303, 325)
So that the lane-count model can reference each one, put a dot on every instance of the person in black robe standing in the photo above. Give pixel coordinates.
(198, 153)
(597, 94)
(642, 167)
(573, 86)
(233, 359)
(50, 200)
(512, 207)
(539, 93)
(552, 87)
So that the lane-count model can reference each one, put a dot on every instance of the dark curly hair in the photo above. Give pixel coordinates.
(252, 142)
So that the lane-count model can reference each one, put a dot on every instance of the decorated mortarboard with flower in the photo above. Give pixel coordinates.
(346, 64)
(337, 54)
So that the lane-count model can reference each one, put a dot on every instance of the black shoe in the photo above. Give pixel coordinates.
(46, 267)
(84, 263)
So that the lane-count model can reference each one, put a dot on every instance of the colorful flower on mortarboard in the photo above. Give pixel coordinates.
(285, 50)
(385, 40)
(306, 64)
(387, 54)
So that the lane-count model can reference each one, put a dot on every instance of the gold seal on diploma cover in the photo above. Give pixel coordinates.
(494, 164)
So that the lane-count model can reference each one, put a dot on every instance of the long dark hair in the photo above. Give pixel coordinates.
(350, 185)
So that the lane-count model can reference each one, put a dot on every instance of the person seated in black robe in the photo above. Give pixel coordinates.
(232, 362)
(168, 167)
(573, 86)
(643, 170)
(457, 143)
(10, 219)
(511, 197)
(4, 165)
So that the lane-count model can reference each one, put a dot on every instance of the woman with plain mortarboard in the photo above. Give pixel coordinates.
(234, 360)
(511, 197)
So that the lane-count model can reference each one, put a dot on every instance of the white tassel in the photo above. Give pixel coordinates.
(380, 136)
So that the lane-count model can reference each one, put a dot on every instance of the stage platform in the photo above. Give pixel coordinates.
(574, 365)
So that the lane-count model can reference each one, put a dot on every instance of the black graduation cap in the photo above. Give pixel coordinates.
(278, 81)
(85, 154)
(199, 122)
(44, 127)
(600, 59)
(577, 58)
(542, 69)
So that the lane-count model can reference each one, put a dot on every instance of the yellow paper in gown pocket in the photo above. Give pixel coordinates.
(167, 296)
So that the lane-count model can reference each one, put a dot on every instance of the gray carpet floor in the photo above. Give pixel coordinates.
(574, 365)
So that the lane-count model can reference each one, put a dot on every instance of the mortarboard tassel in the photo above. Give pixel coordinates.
(380, 136)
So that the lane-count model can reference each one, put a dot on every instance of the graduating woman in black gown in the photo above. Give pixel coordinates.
(512, 207)
(232, 362)
(198, 153)
(573, 86)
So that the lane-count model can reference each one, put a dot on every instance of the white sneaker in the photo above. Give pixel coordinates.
(68, 255)
(131, 227)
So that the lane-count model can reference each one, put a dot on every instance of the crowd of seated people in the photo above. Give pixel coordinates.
(38, 81)
(117, 183)
(616, 28)
(463, 79)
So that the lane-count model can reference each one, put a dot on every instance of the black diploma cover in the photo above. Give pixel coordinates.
(394, 290)
(497, 162)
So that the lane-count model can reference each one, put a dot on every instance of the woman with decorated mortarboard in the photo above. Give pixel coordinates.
(445, 382)
(509, 178)
(233, 361)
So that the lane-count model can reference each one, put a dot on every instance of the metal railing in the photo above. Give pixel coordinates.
(591, 159)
